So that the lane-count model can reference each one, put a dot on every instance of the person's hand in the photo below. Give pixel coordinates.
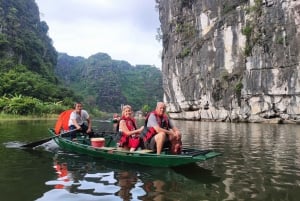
(177, 135)
(88, 130)
(141, 129)
(171, 134)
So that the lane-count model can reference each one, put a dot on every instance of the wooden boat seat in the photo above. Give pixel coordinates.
(106, 148)
(144, 151)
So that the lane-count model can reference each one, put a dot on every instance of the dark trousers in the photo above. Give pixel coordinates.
(83, 130)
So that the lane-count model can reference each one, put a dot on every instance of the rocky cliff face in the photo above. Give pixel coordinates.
(231, 60)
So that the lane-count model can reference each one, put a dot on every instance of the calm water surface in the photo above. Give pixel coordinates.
(259, 162)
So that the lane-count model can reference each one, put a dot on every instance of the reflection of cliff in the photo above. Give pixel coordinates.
(239, 57)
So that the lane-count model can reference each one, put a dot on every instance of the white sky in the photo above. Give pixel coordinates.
(124, 29)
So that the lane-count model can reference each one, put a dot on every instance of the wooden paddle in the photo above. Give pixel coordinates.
(37, 143)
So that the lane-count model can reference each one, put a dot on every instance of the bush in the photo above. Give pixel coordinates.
(26, 105)
(21, 106)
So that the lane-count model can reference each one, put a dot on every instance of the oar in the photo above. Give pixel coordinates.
(37, 143)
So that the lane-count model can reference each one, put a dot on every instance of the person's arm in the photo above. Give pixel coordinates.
(153, 123)
(89, 125)
(175, 130)
(124, 129)
(89, 121)
(74, 122)
(172, 132)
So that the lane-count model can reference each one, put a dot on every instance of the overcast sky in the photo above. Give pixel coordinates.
(124, 29)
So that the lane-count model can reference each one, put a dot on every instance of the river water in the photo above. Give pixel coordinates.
(258, 162)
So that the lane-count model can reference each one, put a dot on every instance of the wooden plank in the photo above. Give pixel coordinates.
(106, 148)
(144, 151)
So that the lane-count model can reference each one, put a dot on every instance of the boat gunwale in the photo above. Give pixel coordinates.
(162, 160)
(116, 150)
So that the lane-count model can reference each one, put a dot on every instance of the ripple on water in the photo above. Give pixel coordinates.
(67, 196)
(14, 144)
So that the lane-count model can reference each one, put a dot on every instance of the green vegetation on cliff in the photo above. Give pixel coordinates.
(27, 62)
(35, 79)
(106, 84)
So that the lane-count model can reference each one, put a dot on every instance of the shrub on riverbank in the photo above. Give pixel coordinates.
(5, 117)
(25, 105)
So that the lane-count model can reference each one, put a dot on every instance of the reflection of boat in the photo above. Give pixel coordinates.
(197, 173)
(91, 179)
(143, 157)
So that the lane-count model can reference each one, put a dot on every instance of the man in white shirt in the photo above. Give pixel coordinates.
(78, 118)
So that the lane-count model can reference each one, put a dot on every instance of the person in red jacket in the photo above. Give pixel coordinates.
(129, 133)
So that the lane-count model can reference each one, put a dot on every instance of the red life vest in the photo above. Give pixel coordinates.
(126, 140)
(163, 122)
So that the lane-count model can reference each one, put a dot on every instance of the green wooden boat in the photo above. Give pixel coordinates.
(82, 145)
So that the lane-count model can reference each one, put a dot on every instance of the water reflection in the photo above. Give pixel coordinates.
(82, 178)
(131, 186)
(62, 173)
(79, 180)
(259, 162)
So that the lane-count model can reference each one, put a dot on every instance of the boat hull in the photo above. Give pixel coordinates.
(138, 157)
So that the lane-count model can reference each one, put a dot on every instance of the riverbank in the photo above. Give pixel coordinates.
(10, 117)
